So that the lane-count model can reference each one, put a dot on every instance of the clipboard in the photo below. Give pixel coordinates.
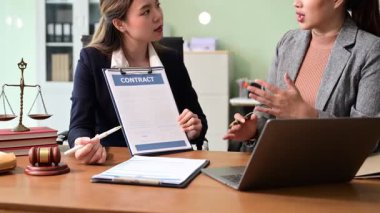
(153, 171)
(146, 109)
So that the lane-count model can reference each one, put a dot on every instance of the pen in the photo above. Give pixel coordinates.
(101, 136)
(236, 122)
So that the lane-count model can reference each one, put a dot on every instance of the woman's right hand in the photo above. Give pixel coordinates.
(244, 130)
(92, 151)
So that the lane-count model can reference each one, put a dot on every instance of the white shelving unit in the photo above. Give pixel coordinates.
(210, 76)
(80, 15)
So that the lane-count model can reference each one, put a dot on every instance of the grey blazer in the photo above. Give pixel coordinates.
(350, 86)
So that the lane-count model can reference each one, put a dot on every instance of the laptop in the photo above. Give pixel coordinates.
(304, 152)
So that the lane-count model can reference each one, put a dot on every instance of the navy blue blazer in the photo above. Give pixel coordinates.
(92, 110)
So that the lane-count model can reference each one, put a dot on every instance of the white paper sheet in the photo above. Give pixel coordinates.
(152, 170)
(370, 168)
(147, 110)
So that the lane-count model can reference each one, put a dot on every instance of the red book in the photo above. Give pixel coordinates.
(35, 132)
(18, 151)
(28, 142)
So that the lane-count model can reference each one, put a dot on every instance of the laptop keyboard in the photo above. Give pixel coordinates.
(233, 178)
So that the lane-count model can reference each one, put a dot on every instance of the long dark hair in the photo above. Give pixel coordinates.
(107, 38)
(366, 14)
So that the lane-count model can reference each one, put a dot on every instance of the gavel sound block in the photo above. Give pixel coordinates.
(45, 161)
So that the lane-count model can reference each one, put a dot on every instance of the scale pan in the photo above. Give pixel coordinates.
(7, 117)
(39, 116)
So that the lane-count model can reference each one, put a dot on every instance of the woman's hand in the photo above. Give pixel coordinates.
(282, 103)
(190, 123)
(92, 151)
(244, 130)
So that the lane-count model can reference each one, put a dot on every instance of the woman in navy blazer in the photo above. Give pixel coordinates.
(350, 77)
(124, 38)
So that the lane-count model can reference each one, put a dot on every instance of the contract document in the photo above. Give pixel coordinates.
(159, 171)
(146, 110)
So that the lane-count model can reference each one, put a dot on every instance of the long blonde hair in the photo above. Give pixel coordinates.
(107, 38)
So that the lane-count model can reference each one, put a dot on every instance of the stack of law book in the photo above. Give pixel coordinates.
(20, 142)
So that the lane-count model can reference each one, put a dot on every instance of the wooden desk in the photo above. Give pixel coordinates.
(73, 192)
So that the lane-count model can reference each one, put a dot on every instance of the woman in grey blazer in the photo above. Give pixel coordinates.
(348, 82)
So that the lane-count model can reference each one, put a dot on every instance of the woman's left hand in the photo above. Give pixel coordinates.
(286, 103)
(190, 123)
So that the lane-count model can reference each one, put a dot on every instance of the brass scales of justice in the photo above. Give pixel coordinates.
(4, 101)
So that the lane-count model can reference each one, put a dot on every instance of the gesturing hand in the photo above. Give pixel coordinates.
(190, 123)
(286, 103)
(245, 128)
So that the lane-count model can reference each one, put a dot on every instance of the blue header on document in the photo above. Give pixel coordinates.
(161, 145)
(137, 79)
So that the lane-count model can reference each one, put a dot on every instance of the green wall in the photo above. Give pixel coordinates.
(249, 29)
(15, 43)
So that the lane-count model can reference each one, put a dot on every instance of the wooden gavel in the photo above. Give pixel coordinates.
(44, 156)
